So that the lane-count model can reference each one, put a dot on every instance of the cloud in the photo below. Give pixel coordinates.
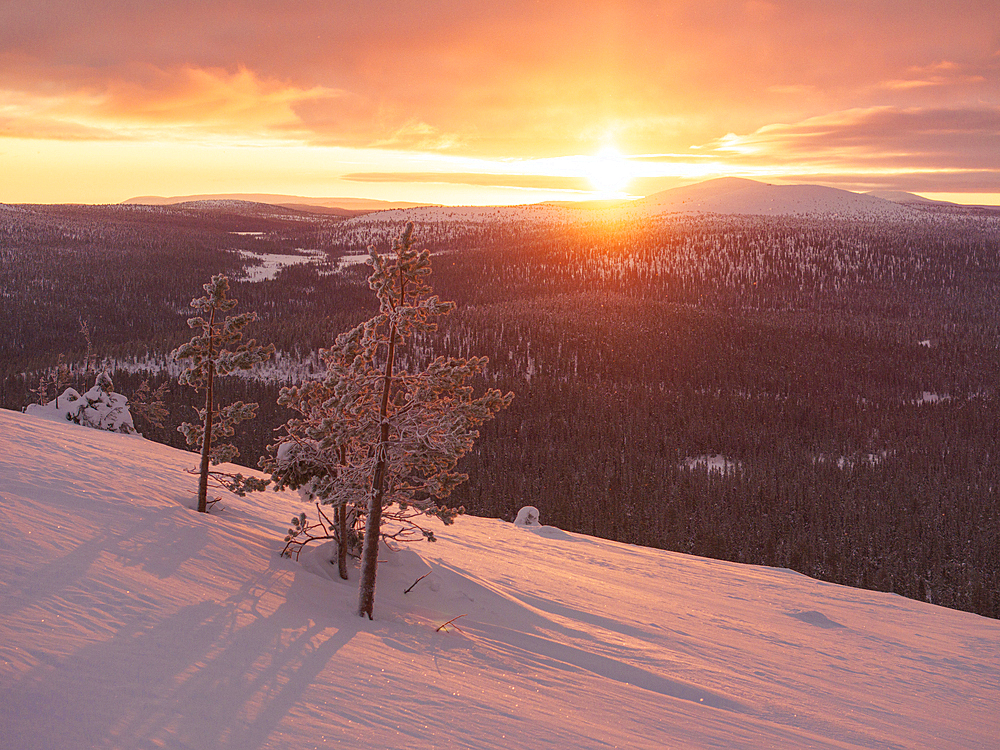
(478, 76)
(939, 150)
(919, 138)
(155, 104)
(945, 73)
(965, 181)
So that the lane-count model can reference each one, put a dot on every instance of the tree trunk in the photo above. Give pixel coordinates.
(369, 552)
(340, 516)
(206, 444)
(206, 437)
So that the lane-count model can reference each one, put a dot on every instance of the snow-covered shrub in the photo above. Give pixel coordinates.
(527, 516)
(100, 407)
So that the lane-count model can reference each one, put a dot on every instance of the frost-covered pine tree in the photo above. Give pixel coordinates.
(370, 436)
(217, 350)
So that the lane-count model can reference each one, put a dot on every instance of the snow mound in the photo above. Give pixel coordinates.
(131, 621)
(527, 516)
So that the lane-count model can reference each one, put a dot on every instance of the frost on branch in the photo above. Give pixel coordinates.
(378, 442)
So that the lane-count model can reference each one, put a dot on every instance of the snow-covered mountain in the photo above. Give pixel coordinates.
(734, 195)
(900, 196)
(130, 621)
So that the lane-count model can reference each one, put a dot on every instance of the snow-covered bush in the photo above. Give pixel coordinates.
(100, 407)
(527, 516)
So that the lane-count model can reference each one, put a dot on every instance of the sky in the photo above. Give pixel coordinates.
(475, 102)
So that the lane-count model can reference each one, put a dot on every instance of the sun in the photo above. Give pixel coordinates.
(608, 172)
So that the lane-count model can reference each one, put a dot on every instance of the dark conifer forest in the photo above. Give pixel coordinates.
(819, 394)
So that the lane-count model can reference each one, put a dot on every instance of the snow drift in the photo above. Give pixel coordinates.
(130, 621)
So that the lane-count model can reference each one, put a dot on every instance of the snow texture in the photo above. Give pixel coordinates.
(130, 621)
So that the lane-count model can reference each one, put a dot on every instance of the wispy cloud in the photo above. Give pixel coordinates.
(182, 103)
(924, 138)
(942, 150)
(543, 182)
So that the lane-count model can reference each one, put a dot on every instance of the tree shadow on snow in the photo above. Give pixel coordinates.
(212, 674)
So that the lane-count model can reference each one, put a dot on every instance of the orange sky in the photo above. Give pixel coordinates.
(467, 101)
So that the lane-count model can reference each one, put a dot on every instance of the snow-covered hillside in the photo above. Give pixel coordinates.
(733, 195)
(130, 621)
(900, 196)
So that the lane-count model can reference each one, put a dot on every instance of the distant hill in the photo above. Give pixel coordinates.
(725, 195)
(335, 206)
(237, 207)
(900, 196)
(734, 195)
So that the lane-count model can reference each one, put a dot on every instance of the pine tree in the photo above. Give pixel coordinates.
(371, 437)
(211, 355)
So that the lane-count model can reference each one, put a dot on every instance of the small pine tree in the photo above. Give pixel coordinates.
(52, 382)
(211, 355)
(148, 404)
(369, 436)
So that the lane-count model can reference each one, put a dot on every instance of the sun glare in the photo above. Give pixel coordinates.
(609, 172)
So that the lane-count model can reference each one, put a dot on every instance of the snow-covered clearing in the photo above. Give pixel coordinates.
(267, 265)
(345, 261)
(714, 463)
(130, 621)
(930, 397)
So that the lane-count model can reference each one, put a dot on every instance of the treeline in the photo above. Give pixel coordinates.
(846, 373)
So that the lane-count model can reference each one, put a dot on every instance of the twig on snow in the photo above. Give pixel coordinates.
(450, 622)
(408, 590)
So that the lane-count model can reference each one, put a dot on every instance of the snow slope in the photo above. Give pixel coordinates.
(900, 196)
(130, 621)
